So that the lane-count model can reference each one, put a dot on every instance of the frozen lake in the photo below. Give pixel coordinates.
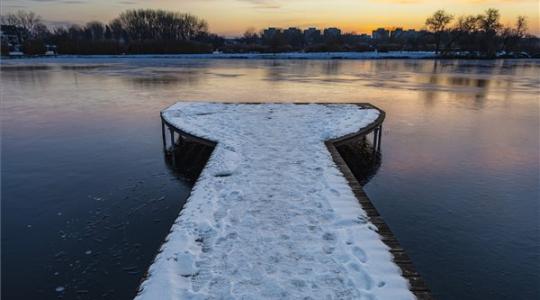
(87, 197)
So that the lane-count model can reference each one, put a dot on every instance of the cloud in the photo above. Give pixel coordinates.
(14, 6)
(264, 4)
(51, 1)
(455, 1)
(400, 1)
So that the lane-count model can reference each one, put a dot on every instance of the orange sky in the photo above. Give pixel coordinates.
(232, 17)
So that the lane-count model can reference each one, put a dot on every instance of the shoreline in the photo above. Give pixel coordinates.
(284, 55)
(424, 55)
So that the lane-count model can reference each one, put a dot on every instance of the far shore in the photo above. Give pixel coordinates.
(282, 55)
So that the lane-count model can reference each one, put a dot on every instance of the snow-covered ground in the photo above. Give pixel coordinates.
(271, 216)
(286, 55)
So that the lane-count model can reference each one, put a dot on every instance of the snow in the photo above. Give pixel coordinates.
(285, 55)
(271, 216)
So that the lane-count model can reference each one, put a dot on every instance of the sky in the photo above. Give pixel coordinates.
(233, 17)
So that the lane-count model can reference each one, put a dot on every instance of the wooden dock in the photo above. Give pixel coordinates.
(177, 140)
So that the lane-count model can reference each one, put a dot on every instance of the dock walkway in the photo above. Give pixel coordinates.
(272, 215)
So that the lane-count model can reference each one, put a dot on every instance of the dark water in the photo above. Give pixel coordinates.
(83, 171)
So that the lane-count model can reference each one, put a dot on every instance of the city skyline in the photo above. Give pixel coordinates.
(232, 17)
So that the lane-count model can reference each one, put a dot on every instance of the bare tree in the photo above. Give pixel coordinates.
(28, 21)
(463, 33)
(190, 26)
(250, 36)
(117, 31)
(489, 26)
(467, 24)
(521, 27)
(10, 19)
(146, 24)
(437, 23)
(41, 32)
(511, 37)
(490, 21)
(95, 30)
(75, 32)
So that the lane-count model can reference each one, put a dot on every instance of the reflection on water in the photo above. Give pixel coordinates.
(458, 184)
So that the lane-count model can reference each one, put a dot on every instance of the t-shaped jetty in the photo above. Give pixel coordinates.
(272, 215)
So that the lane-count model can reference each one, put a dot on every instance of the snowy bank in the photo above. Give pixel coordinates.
(271, 216)
(285, 55)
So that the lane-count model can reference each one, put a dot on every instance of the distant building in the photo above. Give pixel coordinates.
(270, 33)
(355, 39)
(380, 34)
(292, 31)
(293, 36)
(312, 35)
(396, 33)
(364, 37)
(410, 34)
(332, 33)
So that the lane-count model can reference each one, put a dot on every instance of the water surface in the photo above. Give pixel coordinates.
(87, 197)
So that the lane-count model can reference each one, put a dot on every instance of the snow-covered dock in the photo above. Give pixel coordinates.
(272, 216)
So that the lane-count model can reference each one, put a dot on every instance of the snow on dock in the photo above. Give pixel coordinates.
(271, 215)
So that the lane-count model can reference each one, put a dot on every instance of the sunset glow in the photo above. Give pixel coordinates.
(233, 17)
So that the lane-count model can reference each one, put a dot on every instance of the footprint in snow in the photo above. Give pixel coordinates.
(329, 237)
(364, 281)
(335, 192)
(360, 254)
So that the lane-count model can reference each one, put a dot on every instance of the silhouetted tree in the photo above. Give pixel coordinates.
(158, 31)
(41, 32)
(512, 37)
(117, 31)
(108, 33)
(489, 27)
(146, 24)
(209, 38)
(463, 34)
(28, 21)
(250, 36)
(437, 23)
(95, 30)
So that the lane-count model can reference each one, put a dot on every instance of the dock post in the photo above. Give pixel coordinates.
(173, 146)
(171, 131)
(380, 139)
(163, 136)
(375, 136)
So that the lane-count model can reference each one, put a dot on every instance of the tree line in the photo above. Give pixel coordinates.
(473, 36)
(148, 31)
(480, 35)
(142, 31)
